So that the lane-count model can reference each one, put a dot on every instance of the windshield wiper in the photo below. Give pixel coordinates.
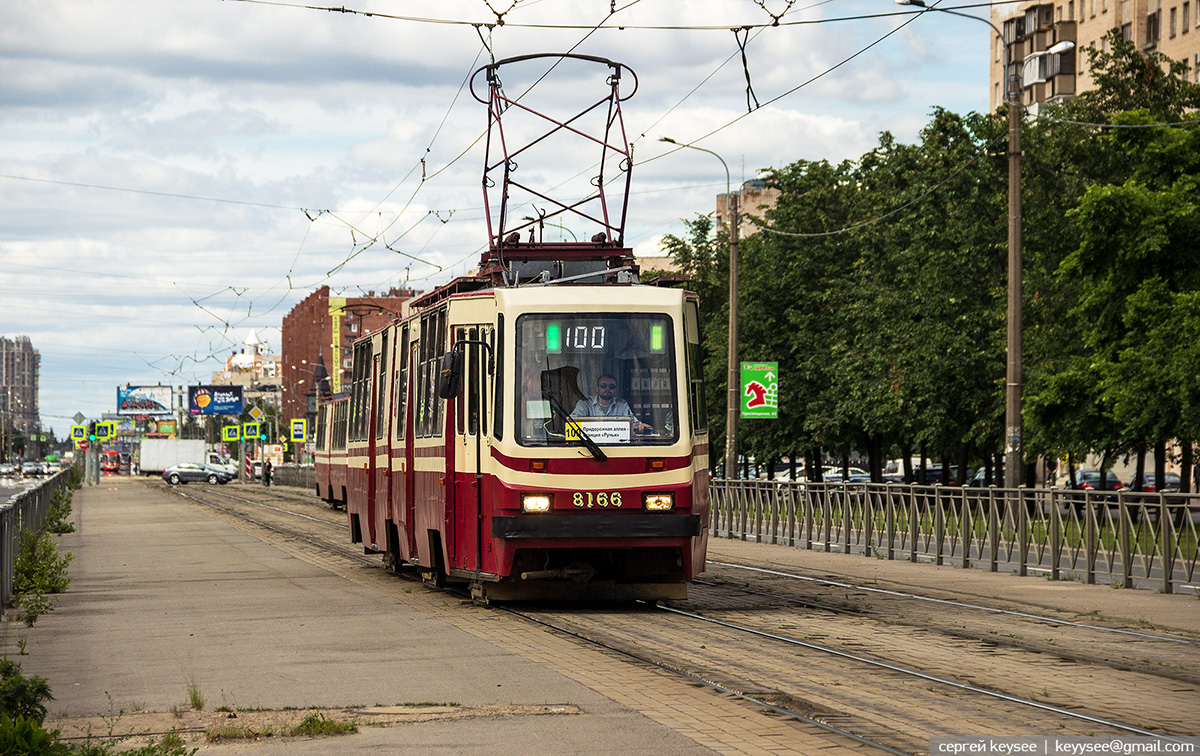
(571, 422)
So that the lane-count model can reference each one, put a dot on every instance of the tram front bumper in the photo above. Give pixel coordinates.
(596, 525)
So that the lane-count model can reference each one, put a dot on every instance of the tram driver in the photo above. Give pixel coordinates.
(604, 403)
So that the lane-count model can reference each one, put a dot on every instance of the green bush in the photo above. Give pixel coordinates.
(39, 568)
(60, 511)
(22, 736)
(22, 697)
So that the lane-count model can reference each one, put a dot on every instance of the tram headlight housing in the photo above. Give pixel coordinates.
(658, 502)
(539, 502)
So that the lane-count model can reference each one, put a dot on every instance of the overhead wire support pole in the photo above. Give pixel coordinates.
(1013, 423)
(732, 398)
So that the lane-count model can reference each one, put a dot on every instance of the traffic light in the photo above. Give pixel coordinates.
(92, 431)
(262, 436)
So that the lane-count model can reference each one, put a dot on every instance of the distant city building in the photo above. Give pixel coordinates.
(317, 340)
(755, 198)
(1048, 41)
(19, 366)
(255, 369)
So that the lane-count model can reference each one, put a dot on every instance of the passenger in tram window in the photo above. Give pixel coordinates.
(604, 403)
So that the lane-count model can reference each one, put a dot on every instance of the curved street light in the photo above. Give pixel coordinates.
(1013, 430)
(732, 399)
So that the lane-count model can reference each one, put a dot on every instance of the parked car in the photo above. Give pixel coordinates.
(31, 469)
(8, 470)
(188, 472)
(933, 475)
(1088, 480)
(1150, 483)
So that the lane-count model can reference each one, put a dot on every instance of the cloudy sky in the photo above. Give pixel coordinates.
(175, 174)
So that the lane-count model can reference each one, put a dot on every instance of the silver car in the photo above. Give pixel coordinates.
(189, 472)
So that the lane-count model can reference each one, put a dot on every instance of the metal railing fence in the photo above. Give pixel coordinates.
(1123, 538)
(24, 511)
(300, 476)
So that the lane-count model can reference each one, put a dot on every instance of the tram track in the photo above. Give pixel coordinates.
(893, 706)
(1172, 657)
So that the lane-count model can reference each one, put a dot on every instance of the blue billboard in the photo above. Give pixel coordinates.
(143, 400)
(215, 400)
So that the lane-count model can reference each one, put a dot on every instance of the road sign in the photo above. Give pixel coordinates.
(250, 431)
(84, 444)
(256, 413)
(299, 429)
(79, 432)
(105, 431)
(760, 390)
(79, 417)
(230, 433)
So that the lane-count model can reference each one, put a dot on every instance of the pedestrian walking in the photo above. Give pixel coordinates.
(266, 473)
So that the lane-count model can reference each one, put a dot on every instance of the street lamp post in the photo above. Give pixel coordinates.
(1013, 431)
(732, 399)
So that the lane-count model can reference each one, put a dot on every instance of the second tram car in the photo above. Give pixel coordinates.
(329, 460)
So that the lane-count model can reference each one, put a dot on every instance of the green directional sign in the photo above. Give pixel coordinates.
(760, 390)
(230, 433)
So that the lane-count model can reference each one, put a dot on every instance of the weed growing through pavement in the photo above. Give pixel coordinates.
(317, 724)
(195, 695)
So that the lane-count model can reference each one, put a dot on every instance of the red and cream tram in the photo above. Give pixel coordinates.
(536, 429)
(514, 482)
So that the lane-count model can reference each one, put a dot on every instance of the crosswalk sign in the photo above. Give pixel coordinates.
(250, 430)
(230, 433)
(105, 431)
(78, 432)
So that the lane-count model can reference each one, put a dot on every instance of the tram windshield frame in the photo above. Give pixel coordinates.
(565, 368)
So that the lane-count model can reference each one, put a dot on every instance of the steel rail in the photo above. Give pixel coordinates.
(707, 683)
(961, 604)
(921, 675)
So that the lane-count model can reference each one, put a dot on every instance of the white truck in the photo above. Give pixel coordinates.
(158, 454)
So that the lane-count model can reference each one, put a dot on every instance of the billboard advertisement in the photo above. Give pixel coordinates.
(143, 400)
(215, 400)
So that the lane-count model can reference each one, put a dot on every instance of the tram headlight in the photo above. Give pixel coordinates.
(658, 502)
(535, 502)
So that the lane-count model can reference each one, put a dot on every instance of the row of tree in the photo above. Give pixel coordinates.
(879, 284)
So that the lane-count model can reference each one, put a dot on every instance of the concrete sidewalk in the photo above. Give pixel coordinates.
(164, 597)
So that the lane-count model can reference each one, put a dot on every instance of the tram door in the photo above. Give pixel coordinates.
(471, 443)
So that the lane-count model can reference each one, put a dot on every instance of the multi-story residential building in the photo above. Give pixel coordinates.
(317, 340)
(1048, 41)
(19, 366)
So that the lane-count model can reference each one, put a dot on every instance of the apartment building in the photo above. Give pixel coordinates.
(19, 367)
(1048, 42)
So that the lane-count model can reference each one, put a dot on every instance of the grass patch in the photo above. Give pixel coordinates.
(319, 724)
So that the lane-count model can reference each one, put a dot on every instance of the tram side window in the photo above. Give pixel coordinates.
(402, 385)
(341, 422)
(695, 365)
(433, 345)
(382, 383)
(498, 379)
(322, 421)
(361, 390)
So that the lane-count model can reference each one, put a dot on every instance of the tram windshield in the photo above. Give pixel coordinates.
(609, 377)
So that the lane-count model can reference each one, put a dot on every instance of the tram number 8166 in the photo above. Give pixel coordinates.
(590, 500)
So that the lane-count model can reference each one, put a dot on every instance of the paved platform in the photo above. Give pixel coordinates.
(167, 596)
